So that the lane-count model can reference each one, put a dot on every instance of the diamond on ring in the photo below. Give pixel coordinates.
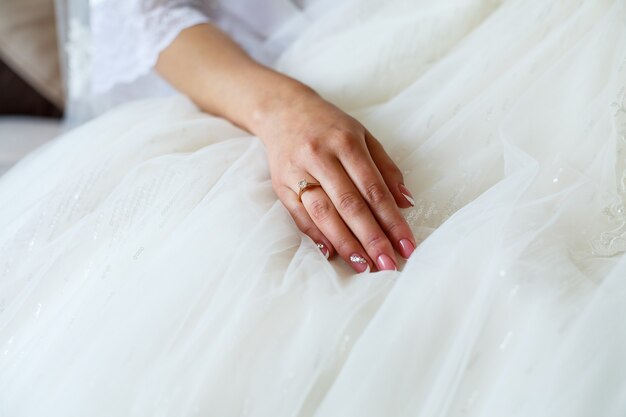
(304, 185)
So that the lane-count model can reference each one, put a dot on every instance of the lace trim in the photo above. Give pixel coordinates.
(124, 53)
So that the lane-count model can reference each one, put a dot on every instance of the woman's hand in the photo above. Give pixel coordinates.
(355, 212)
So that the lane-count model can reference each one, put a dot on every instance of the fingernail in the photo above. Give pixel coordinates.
(407, 194)
(323, 249)
(359, 263)
(406, 248)
(385, 263)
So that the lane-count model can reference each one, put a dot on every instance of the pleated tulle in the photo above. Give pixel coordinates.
(147, 268)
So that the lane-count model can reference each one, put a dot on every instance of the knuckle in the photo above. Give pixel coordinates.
(344, 136)
(376, 193)
(351, 203)
(393, 227)
(376, 241)
(312, 146)
(313, 154)
(320, 209)
(373, 141)
(344, 141)
(343, 244)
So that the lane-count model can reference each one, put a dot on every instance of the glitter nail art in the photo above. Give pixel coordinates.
(323, 249)
(358, 259)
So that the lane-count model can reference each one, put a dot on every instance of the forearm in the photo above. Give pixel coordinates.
(206, 65)
(355, 209)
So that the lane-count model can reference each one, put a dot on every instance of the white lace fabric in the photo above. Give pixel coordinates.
(128, 36)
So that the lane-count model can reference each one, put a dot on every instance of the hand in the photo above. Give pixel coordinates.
(355, 212)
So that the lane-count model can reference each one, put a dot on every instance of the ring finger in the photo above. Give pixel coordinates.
(327, 219)
(304, 221)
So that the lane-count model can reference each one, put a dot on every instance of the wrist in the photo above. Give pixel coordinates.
(273, 105)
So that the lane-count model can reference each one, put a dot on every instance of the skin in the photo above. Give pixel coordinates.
(356, 209)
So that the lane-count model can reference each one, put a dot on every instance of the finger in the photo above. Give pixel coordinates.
(304, 222)
(365, 175)
(390, 172)
(327, 219)
(355, 213)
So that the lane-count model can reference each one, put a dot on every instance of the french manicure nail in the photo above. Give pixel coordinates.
(407, 194)
(324, 250)
(385, 263)
(359, 263)
(406, 248)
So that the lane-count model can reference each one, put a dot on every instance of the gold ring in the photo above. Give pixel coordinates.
(304, 185)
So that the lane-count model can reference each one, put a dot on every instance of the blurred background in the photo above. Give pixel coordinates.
(32, 86)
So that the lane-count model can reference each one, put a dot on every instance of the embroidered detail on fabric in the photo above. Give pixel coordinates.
(613, 242)
(431, 210)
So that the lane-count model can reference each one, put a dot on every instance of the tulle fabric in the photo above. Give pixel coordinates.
(149, 270)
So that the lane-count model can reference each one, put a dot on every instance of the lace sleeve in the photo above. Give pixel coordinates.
(128, 35)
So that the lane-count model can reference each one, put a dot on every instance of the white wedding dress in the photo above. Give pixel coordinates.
(147, 268)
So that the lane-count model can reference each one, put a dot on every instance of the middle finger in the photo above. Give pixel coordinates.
(356, 213)
(360, 167)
